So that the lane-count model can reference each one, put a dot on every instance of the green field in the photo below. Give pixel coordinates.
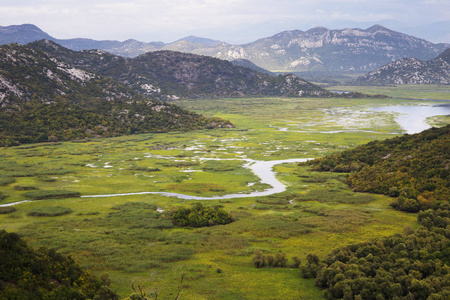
(128, 239)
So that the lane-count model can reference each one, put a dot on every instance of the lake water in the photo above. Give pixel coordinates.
(412, 118)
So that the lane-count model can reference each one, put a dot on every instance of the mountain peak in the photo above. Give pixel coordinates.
(318, 29)
(377, 27)
(198, 40)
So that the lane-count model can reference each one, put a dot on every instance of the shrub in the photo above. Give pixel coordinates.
(24, 188)
(50, 211)
(4, 180)
(3, 196)
(7, 210)
(201, 216)
(53, 194)
(258, 259)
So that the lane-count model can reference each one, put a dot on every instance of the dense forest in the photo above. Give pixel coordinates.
(44, 274)
(43, 99)
(414, 169)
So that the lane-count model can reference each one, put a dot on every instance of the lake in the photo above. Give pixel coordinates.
(412, 118)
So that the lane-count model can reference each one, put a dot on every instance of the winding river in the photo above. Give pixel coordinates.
(262, 169)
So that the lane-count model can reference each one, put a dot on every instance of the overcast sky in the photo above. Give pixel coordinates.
(232, 21)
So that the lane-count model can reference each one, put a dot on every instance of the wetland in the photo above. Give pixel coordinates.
(130, 236)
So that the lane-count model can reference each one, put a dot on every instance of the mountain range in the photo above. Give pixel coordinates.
(167, 75)
(49, 92)
(317, 49)
(410, 71)
(45, 99)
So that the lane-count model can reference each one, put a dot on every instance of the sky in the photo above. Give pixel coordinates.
(231, 21)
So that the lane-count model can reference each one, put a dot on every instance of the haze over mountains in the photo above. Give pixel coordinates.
(318, 49)
(411, 71)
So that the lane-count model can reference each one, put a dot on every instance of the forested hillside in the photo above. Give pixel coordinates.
(172, 75)
(412, 265)
(44, 274)
(414, 169)
(44, 99)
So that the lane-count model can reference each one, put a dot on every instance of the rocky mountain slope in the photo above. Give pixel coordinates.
(318, 49)
(333, 50)
(171, 75)
(43, 98)
(410, 71)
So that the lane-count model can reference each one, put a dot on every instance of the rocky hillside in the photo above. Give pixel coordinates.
(318, 49)
(171, 75)
(410, 71)
(324, 49)
(45, 99)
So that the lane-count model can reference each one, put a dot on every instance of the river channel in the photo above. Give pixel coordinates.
(262, 169)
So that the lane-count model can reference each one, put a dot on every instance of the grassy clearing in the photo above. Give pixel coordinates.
(133, 239)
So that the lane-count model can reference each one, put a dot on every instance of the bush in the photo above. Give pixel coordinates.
(54, 194)
(6, 180)
(3, 196)
(24, 188)
(50, 211)
(7, 210)
(44, 178)
(201, 216)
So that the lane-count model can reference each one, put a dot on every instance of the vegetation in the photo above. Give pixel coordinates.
(200, 216)
(413, 265)
(50, 194)
(50, 101)
(44, 274)
(7, 210)
(133, 238)
(411, 168)
(49, 211)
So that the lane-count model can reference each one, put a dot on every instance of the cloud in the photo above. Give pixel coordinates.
(168, 20)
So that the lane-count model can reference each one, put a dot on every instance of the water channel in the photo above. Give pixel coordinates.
(262, 169)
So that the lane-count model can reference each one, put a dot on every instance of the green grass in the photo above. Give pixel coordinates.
(132, 238)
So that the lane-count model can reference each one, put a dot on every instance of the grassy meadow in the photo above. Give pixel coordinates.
(132, 239)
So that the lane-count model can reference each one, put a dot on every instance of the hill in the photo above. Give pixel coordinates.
(44, 274)
(410, 71)
(43, 98)
(171, 75)
(414, 169)
(248, 64)
(317, 49)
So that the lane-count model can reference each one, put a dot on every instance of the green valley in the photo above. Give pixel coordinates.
(132, 238)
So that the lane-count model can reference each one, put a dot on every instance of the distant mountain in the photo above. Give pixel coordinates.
(410, 71)
(333, 50)
(21, 34)
(44, 99)
(318, 49)
(27, 33)
(199, 40)
(171, 75)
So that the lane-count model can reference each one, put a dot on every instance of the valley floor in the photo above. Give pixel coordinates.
(132, 239)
